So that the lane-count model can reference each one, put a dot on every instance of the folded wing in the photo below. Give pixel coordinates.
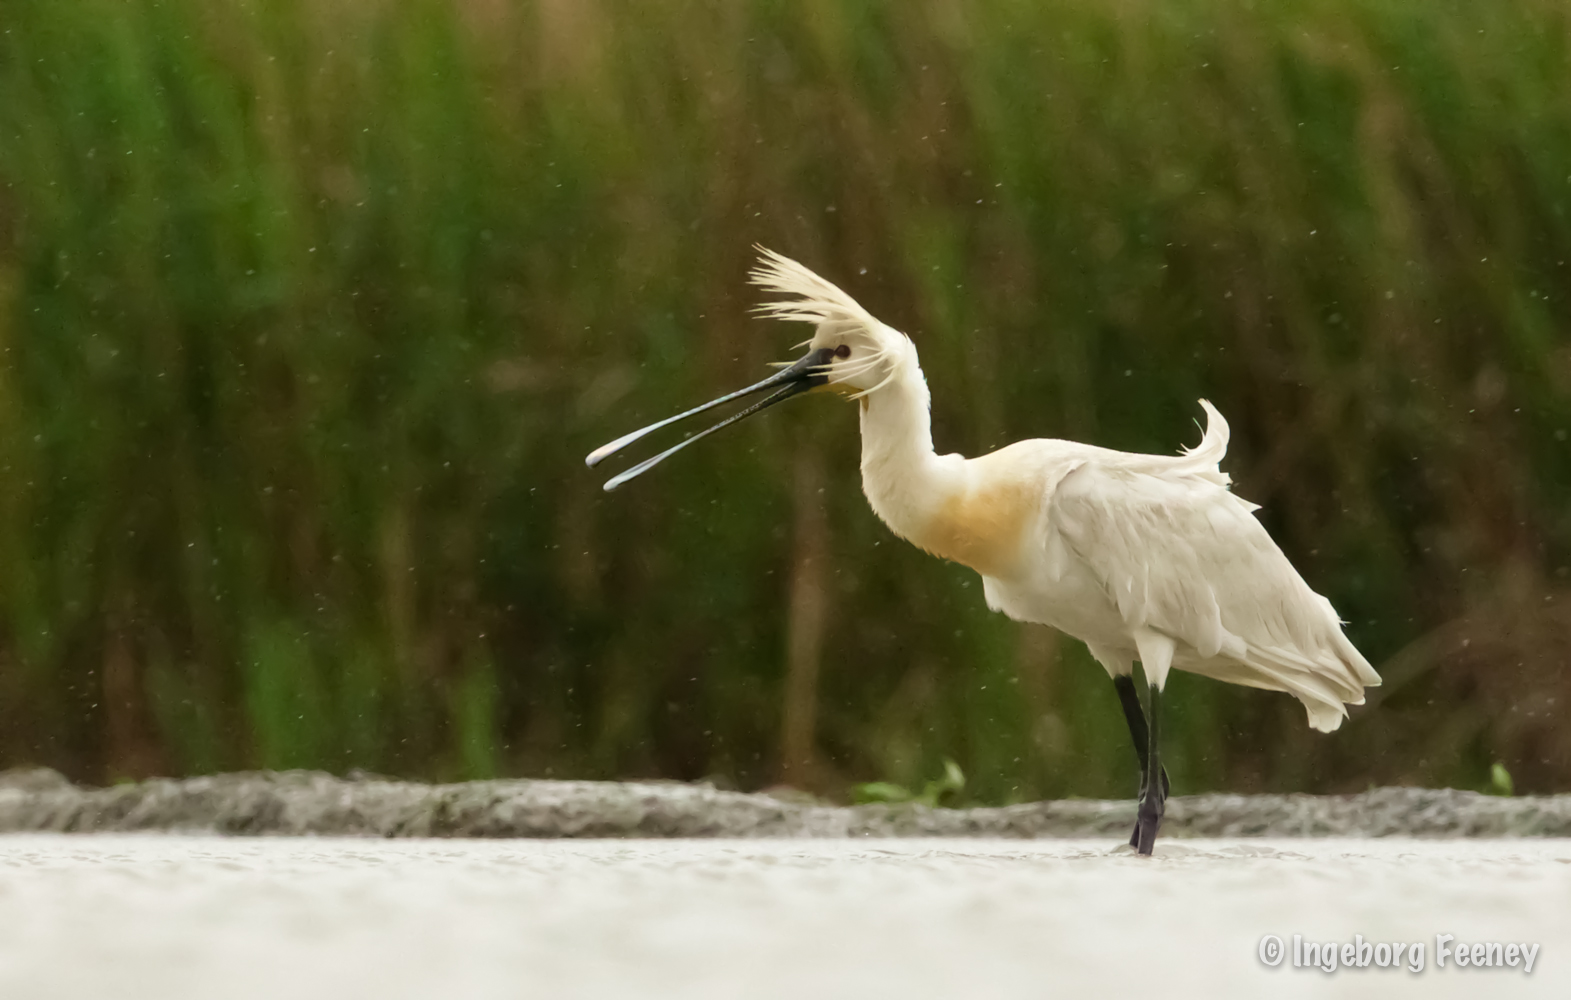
(1179, 554)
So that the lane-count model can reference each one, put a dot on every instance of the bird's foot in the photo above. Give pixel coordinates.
(1134, 836)
(1148, 819)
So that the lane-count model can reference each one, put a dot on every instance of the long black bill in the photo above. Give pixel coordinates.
(807, 373)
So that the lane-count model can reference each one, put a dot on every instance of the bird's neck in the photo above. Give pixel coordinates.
(945, 504)
(905, 481)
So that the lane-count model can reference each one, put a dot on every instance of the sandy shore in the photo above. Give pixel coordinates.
(166, 917)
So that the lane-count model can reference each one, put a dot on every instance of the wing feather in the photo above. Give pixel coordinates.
(1180, 554)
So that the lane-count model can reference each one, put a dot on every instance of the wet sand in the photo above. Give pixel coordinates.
(174, 916)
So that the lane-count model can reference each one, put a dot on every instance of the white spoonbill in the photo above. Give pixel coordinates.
(1141, 557)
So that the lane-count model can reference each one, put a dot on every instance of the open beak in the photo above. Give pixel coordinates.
(807, 373)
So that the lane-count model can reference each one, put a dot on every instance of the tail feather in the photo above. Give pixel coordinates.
(1322, 683)
(1321, 692)
(1202, 460)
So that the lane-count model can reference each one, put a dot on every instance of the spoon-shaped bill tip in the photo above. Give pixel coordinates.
(603, 452)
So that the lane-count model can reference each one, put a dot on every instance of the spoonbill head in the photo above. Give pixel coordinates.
(851, 352)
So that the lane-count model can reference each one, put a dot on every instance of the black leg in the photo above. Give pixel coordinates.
(1130, 699)
(1141, 737)
(1148, 818)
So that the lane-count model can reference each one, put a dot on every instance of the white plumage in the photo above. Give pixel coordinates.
(1143, 557)
(1162, 546)
(1110, 547)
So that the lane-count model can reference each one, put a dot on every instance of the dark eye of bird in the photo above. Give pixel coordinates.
(842, 351)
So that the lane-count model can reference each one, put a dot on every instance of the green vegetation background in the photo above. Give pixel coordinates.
(310, 310)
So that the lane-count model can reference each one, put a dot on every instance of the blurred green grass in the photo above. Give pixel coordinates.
(310, 311)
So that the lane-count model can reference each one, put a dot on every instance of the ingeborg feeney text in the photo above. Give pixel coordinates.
(1413, 956)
